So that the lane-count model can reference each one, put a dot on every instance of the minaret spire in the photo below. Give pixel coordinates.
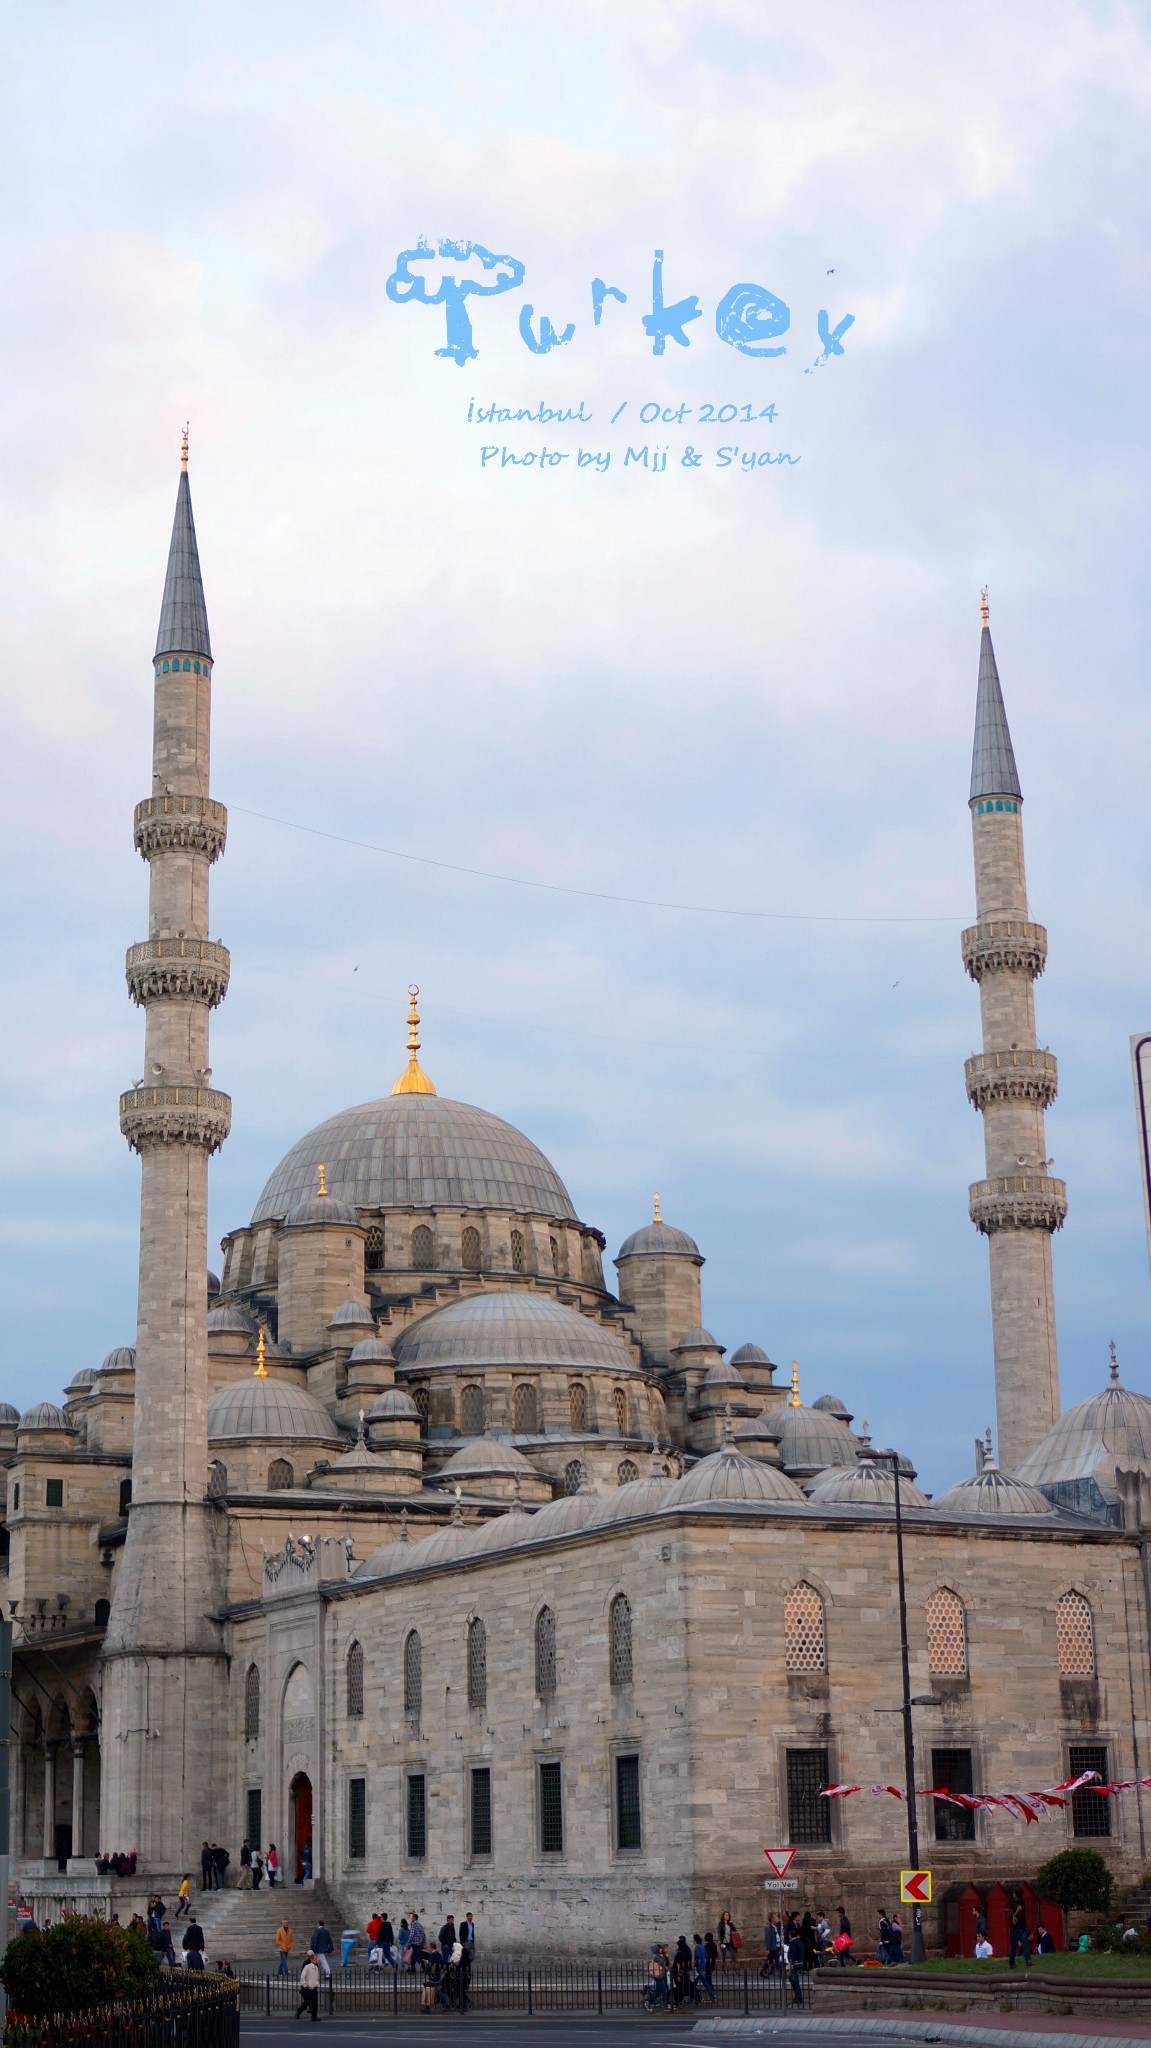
(183, 625)
(1011, 1082)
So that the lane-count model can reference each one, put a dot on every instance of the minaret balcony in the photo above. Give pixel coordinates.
(195, 970)
(175, 1115)
(1018, 1201)
(1008, 943)
(1020, 1075)
(185, 824)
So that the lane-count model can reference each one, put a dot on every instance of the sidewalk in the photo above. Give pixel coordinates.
(897, 2026)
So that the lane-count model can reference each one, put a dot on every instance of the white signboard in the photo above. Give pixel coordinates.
(1141, 1063)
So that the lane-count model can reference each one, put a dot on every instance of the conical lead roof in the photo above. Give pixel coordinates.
(993, 770)
(183, 614)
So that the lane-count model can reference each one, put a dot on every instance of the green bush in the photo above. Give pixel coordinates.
(75, 1965)
(1078, 1880)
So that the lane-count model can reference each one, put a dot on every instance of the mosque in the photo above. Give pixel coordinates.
(412, 1543)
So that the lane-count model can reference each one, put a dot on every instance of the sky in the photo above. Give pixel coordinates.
(653, 779)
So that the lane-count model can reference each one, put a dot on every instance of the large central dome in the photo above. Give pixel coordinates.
(422, 1152)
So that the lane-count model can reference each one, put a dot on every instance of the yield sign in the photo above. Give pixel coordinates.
(915, 1887)
(780, 1860)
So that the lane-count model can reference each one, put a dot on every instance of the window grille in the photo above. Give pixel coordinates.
(619, 1630)
(477, 1664)
(254, 1805)
(217, 1479)
(517, 1251)
(525, 1409)
(280, 1476)
(471, 1250)
(252, 1704)
(947, 1645)
(357, 1818)
(573, 1476)
(53, 1493)
(423, 1249)
(551, 1808)
(554, 1248)
(423, 1402)
(482, 1811)
(1090, 1812)
(417, 1816)
(545, 1652)
(951, 1772)
(374, 1249)
(621, 1411)
(577, 1406)
(413, 1678)
(628, 1829)
(804, 1635)
(472, 1411)
(627, 1471)
(356, 1682)
(808, 1816)
(1075, 1637)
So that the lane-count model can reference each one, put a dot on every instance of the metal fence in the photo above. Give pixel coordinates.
(186, 2016)
(511, 1987)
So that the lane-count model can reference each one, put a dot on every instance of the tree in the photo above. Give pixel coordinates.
(1076, 1879)
(76, 1965)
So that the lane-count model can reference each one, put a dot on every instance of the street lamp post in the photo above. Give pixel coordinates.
(918, 1952)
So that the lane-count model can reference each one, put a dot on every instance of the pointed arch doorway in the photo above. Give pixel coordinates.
(300, 1816)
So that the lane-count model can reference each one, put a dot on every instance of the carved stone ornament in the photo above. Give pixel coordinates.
(1018, 1202)
(1009, 943)
(175, 1116)
(1023, 1074)
(195, 968)
(190, 824)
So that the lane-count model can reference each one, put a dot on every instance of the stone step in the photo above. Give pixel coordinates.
(241, 1925)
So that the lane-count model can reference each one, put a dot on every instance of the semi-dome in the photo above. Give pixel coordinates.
(868, 1483)
(393, 1405)
(697, 1340)
(656, 1239)
(418, 1151)
(992, 1492)
(123, 1358)
(371, 1351)
(511, 1329)
(353, 1315)
(482, 1456)
(323, 1209)
(638, 1497)
(810, 1439)
(561, 1517)
(268, 1408)
(501, 1532)
(231, 1318)
(727, 1475)
(1075, 1464)
(44, 1415)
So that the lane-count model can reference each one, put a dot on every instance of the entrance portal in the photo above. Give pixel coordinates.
(300, 1801)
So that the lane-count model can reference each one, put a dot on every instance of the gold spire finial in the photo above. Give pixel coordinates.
(795, 1401)
(983, 603)
(323, 1187)
(261, 1372)
(184, 447)
(657, 1218)
(413, 1080)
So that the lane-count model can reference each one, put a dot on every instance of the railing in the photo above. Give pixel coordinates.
(512, 1987)
(194, 2015)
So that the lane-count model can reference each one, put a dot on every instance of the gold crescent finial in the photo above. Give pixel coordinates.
(983, 603)
(323, 1187)
(657, 1218)
(261, 1372)
(795, 1401)
(413, 1080)
(184, 447)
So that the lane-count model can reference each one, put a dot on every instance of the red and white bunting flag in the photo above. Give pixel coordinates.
(839, 1791)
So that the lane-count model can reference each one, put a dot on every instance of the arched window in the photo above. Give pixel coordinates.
(422, 1400)
(374, 1249)
(252, 1704)
(628, 1470)
(525, 1409)
(577, 1405)
(280, 1476)
(355, 1676)
(217, 1479)
(103, 1613)
(1075, 1636)
(804, 1635)
(517, 1251)
(472, 1411)
(554, 1248)
(619, 1640)
(545, 1652)
(573, 1476)
(620, 1399)
(471, 1250)
(477, 1664)
(423, 1249)
(946, 1634)
(413, 1678)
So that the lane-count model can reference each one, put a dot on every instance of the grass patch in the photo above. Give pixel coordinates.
(1072, 1965)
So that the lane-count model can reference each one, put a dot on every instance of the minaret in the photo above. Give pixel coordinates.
(1011, 1081)
(164, 1664)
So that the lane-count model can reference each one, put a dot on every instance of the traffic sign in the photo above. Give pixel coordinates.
(780, 1860)
(915, 1887)
(781, 1884)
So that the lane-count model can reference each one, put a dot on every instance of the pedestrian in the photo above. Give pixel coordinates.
(1020, 1938)
(844, 1922)
(272, 1863)
(657, 1988)
(983, 1948)
(305, 1876)
(447, 1934)
(193, 1945)
(807, 1936)
(257, 1868)
(404, 1944)
(221, 1859)
(245, 1879)
(822, 1936)
(728, 1942)
(285, 1943)
(417, 1939)
(1045, 1946)
(703, 1969)
(897, 1955)
(883, 1952)
(207, 1868)
(468, 1934)
(712, 1948)
(309, 1988)
(467, 1958)
(388, 1941)
(184, 1901)
(322, 1947)
(681, 1972)
(794, 1966)
(168, 1949)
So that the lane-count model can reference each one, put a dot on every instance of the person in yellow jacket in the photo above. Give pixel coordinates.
(184, 1902)
(284, 1944)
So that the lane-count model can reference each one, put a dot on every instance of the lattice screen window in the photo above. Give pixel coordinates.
(628, 1470)
(1090, 1811)
(1075, 1636)
(374, 1249)
(573, 1476)
(804, 1635)
(619, 1633)
(545, 1652)
(621, 1411)
(517, 1251)
(280, 1476)
(477, 1664)
(252, 1704)
(554, 1248)
(423, 1249)
(472, 1411)
(577, 1406)
(525, 1409)
(413, 1678)
(422, 1399)
(355, 1676)
(946, 1635)
(471, 1251)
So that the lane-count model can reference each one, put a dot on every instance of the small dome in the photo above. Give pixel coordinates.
(726, 1475)
(512, 1329)
(123, 1358)
(484, 1455)
(501, 1532)
(751, 1354)
(45, 1415)
(638, 1497)
(758, 1429)
(213, 1285)
(722, 1375)
(371, 1351)
(992, 1492)
(697, 1340)
(232, 1317)
(322, 1209)
(1076, 1462)
(353, 1315)
(810, 1439)
(868, 1483)
(268, 1408)
(8, 1415)
(656, 1239)
(83, 1378)
(560, 1517)
(830, 1404)
(393, 1405)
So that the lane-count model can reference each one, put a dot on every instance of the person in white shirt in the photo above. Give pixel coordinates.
(983, 1949)
(309, 1988)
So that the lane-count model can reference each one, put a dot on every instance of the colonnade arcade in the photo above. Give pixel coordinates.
(56, 1759)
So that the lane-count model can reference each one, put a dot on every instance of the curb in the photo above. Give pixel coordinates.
(909, 2030)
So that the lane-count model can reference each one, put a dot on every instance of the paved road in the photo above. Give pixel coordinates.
(551, 2030)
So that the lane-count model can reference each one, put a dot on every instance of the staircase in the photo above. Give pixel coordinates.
(241, 1925)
